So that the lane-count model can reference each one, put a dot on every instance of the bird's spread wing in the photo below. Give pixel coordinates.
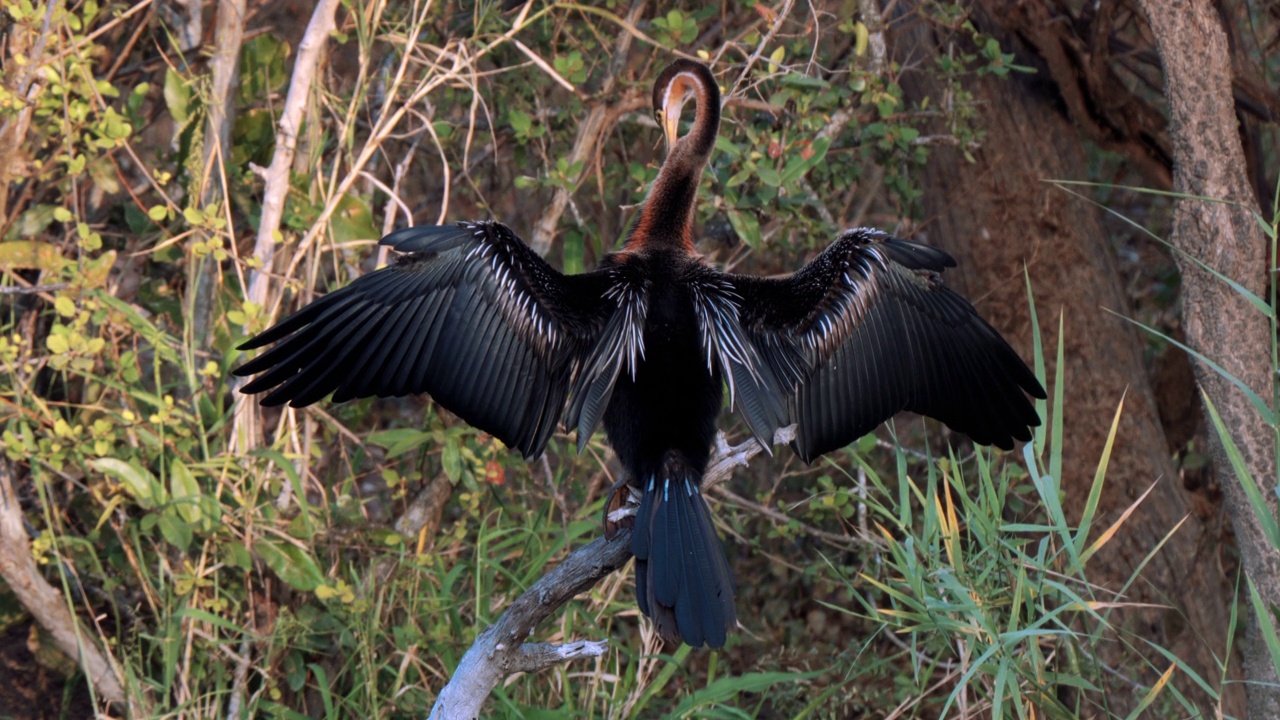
(469, 314)
(866, 330)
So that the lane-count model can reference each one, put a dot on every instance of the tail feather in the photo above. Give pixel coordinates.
(682, 576)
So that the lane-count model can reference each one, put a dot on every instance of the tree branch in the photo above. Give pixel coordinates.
(1221, 238)
(244, 434)
(501, 650)
(228, 37)
(43, 601)
(277, 174)
(599, 121)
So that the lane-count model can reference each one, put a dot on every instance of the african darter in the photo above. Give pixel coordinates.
(646, 344)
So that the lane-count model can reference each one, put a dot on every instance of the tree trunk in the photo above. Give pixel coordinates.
(997, 215)
(1220, 323)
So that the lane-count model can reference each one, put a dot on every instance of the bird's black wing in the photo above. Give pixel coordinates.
(867, 329)
(469, 314)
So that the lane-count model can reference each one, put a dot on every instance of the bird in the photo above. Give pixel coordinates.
(648, 343)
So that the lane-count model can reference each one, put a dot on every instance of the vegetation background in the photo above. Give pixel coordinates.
(178, 174)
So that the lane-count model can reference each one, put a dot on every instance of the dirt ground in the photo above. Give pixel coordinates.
(31, 691)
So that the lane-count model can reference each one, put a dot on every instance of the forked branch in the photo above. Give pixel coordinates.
(500, 650)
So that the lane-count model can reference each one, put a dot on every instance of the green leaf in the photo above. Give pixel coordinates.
(136, 480)
(352, 220)
(185, 492)
(730, 686)
(1268, 415)
(401, 440)
(31, 254)
(746, 225)
(451, 459)
(208, 617)
(290, 563)
(1266, 624)
(728, 147)
(805, 81)
(861, 36)
(769, 176)
(65, 306)
(177, 96)
(176, 532)
(798, 166)
(520, 121)
(1262, 511)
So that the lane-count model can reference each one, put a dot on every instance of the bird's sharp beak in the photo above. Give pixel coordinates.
(677, 94)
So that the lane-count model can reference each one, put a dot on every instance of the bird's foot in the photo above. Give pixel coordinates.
(620, 511)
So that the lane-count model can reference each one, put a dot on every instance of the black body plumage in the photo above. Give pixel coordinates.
(646, 345)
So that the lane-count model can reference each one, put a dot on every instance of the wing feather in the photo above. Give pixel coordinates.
(469, 314)
(866, 330)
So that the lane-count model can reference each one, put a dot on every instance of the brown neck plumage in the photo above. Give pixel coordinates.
(667, 218)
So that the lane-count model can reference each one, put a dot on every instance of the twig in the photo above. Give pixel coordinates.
(277, 175)
(833, 538)
(546, 68)
(870, 13)
(393, 195)
(599, 121)
(244, 434)
(240, 686)
(32, 289)
(44, 602)
(779, 17)
(388, 120)
(228, 37)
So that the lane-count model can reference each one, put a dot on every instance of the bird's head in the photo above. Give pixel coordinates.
(682, 81)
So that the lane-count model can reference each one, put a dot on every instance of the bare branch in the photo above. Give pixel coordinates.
(43, 601)
(461, 59)
(870, 12)
(31, 290)
(277, 175)
(228, 37)
(245, 435)
(500, 649)
(727, 457)
(778, 16)
(599, 121)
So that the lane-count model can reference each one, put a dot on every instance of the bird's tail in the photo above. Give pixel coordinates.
(682, 577)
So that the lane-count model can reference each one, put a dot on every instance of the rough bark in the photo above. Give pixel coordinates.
(500, 649)
(246, 434)
(228, 37)
(45, 603)
(998, 214)
(1220, 323)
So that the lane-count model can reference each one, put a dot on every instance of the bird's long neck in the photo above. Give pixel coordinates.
(667, 218)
